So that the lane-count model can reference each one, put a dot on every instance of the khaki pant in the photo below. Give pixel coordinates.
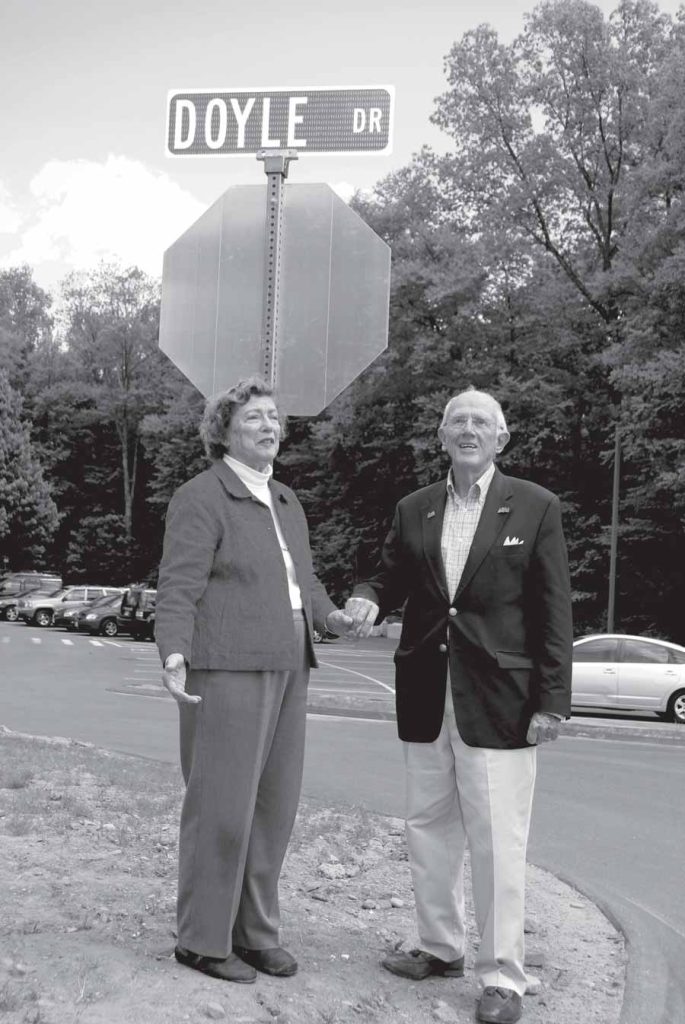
(458, 794)
(242, 752)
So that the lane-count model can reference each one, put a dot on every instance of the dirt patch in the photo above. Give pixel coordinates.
(87, 899)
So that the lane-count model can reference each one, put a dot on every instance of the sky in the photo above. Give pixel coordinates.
(83, 96)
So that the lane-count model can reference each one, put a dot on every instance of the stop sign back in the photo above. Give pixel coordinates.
(334, 296)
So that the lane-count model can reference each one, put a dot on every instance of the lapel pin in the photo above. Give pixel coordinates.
(430, 515)
(504, 508)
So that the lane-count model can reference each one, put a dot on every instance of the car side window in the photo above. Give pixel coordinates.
(676, 657)
(637, 652)
(602, 649)
(77, 595)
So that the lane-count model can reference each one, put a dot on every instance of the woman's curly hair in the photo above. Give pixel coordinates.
(220, 409)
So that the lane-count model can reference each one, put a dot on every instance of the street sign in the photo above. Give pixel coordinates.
(334, 296)
(238, 122)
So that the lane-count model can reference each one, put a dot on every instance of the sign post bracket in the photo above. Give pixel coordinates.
(276, 164)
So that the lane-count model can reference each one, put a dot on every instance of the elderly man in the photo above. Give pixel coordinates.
(481, 562)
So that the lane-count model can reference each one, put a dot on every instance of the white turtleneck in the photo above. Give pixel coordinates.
(257, 483)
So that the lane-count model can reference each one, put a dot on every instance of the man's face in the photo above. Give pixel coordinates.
(470, 434)
(255, 432)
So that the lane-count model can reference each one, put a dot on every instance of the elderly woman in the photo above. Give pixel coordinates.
(237, 602)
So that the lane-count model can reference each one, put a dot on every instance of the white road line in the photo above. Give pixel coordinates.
(112, 643)
(653, 913)
(69, 643)
(96, 643)
(341, 652)
(5, 639)
(352, 718)
(361, 675)
(337, 689)
(324, 718)
(150, 696)
(36, 640)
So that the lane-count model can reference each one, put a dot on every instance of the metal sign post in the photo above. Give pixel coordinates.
(276, 163)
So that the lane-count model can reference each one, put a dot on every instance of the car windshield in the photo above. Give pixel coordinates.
(106, 600)
(8, 589)
(45, 592)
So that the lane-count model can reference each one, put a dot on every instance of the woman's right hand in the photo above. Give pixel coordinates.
(174, 678)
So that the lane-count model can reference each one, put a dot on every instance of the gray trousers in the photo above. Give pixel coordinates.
(242, 751)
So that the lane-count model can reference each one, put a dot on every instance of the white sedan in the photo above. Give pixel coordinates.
(634, 673)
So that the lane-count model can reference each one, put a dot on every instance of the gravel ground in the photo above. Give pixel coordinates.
(87, 891)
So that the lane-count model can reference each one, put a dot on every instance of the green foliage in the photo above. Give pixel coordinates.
(28, 515)
(98, 550)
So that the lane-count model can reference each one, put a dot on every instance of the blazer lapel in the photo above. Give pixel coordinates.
(230, 481)
(432, 513)
(490, 525)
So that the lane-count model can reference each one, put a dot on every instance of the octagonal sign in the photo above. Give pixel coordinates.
(334, 296)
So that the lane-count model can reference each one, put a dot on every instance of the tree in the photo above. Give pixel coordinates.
(112, 324)
(25, 322)
(547, 130)
(28, 515)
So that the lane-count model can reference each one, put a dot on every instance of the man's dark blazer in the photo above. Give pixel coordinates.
(222, 596)
(507, 631)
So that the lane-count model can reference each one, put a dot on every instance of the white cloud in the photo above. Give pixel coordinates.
(86, 211)
(343, 189)
(9, 216)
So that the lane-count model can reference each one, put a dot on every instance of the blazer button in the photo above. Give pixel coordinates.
(442, 648)
(453, 611)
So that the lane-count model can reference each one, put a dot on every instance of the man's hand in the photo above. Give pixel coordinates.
(543, 727)
(363, 614)
(340, 623)
(174, 678)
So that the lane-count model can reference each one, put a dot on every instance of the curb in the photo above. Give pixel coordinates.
(673, 735)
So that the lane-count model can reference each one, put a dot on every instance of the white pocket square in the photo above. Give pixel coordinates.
(511, 541)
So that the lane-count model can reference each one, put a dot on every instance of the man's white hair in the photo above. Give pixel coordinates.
(501, 422)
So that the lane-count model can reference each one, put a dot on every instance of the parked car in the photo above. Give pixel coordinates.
(321, 638)
(147, 632)
(137, 605)
(100, 616)
(14, 585)
(31, 578)
(9, 597)
(67, 614)
(39, 608)
(636, 673)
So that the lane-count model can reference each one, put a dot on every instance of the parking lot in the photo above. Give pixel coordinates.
(353, 676)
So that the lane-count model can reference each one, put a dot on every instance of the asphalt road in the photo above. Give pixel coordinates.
(605, 814)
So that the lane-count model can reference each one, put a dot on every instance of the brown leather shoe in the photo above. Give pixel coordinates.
(231, 968)
(276, 961)
(417, 965)
(499, 1006)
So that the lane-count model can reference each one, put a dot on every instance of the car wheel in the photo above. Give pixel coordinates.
(43, 617)
(11, 614)
(676, 707)
(109, 627)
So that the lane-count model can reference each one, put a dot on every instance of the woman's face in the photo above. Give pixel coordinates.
(254, 432)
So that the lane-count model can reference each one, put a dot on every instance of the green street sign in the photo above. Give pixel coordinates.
(240, 122)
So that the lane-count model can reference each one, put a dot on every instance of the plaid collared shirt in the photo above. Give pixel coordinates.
(459, 526)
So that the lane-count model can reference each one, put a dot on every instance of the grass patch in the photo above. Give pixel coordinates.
(15, 778)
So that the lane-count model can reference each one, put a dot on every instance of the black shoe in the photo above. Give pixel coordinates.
(499, 1006)
(417, 965)
(231, 968)
(274, 961)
